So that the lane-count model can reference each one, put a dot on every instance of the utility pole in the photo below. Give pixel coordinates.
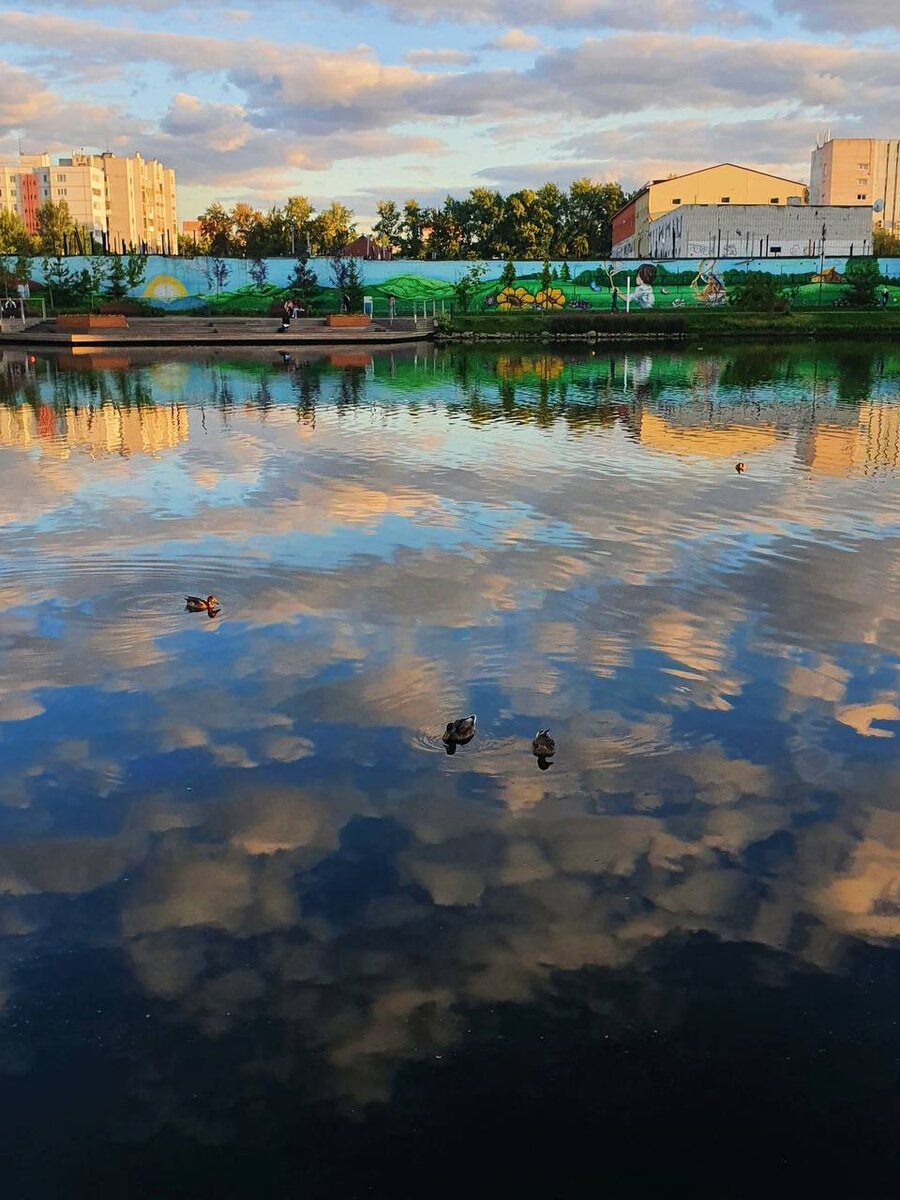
(821, 265)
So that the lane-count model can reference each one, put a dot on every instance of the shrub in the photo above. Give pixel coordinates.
(863, 275)
(758, 291)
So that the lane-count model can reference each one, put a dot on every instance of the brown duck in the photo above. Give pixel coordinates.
(198, 604)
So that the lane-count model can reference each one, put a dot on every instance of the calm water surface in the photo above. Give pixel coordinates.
(261, 937)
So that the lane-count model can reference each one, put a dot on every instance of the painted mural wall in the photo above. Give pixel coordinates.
(183, 284)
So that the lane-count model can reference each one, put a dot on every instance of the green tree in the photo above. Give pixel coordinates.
(565, 274)
(590, 209)
(14, 237)
(546, 277)
(303, 284)
(388, 227)
(412, 230)
(466, 286)
(483, 216)
(332, 230)
(757, 291)
(118, 279)
(863, 275)
(54, 225)
(297, 216)
(60, 283)
(885, 244)
(99, 271)
(508, 275)
(135, 269)
(348, 279)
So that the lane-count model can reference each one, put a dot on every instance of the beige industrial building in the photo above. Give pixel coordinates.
(726, 183)
(122, 202)
(864, 172)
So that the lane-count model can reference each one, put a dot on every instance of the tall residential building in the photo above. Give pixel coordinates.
(859, 171)
(124, 201)
(140, 203)
(726, 183)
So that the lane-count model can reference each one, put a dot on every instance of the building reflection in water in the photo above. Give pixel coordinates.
(255, 929)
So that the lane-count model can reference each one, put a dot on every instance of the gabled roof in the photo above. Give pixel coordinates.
(699, 171)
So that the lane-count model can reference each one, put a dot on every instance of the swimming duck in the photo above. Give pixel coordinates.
(543, 745)
(458, 733)
(198, 604)
(740, 468)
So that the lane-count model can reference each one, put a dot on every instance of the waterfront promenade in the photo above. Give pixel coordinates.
(207, 331)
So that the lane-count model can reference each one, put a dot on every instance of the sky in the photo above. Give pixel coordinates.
(361, 100)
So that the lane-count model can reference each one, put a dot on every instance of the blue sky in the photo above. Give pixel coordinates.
(356, 100)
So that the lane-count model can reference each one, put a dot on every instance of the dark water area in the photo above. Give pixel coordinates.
(260, 936)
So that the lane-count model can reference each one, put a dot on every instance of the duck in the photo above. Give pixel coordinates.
(740, 467)
(543, 745)
(459, 733)
(198, 604)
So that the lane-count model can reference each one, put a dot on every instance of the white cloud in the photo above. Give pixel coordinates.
(514, 39)
(426, 57)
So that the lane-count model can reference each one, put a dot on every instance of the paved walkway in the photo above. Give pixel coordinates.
(209, 331)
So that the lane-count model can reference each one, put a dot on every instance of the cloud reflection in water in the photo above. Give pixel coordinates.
(243, 816)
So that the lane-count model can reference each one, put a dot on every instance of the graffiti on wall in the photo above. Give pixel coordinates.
(243, 286)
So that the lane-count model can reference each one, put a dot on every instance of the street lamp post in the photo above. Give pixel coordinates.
(821, 264)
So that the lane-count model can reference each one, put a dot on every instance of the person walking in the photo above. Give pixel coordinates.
(885, 297)
(614, 306)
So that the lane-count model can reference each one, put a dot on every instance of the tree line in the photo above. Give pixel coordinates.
(529, 224)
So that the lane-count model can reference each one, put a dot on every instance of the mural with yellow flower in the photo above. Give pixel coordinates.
(550, 298)
(511, 299)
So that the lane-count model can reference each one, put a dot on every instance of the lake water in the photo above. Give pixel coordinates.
(260, 936)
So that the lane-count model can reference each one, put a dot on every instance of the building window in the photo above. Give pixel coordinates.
(861, 195)
(60, 179)
(774, 200)
(676, 200)
(862, 166)
(726, 199)
(862, 181)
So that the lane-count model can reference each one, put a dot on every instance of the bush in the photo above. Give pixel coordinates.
(758, 291)
(863, 276)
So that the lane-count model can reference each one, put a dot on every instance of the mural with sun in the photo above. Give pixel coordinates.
(164, 287)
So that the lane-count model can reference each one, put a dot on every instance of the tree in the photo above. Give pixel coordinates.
(59, 281)
(217, 272)
(546, 277)
(590, 209)
(757, 291)
(98, 273)
(118, 280)
(135, 269)
(508, 275)
(216, 227)
(259, 272)
(246, 221)
(296, 217)
(14, 237)
(466, 286)
(412, 230)
(388, 227)
(863, 275)
(348, 280)
(565, 274)
(885, 244)
(332, 230)
(303, 284)
(54, 223)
